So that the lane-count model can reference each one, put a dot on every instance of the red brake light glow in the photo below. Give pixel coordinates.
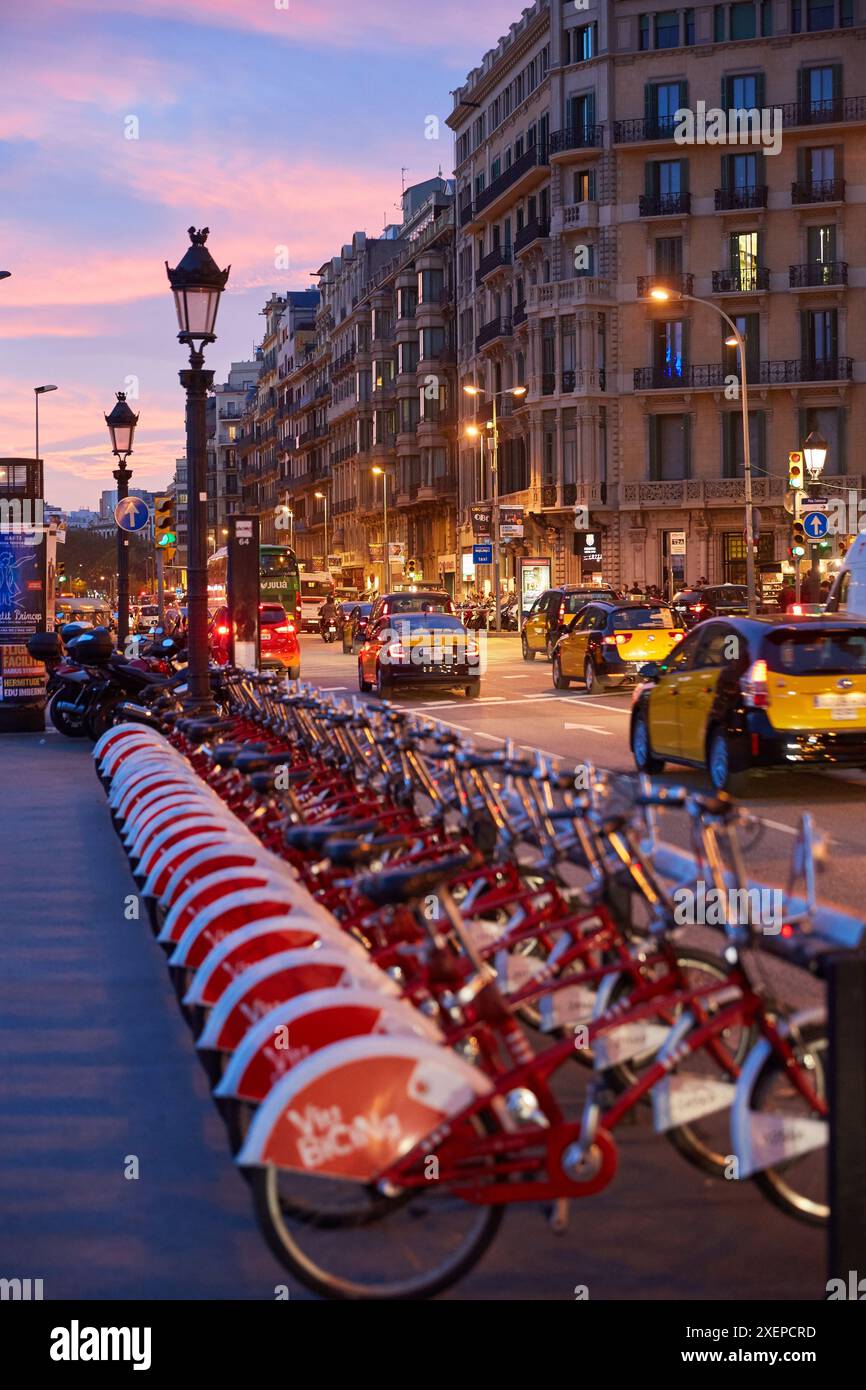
(222, 630)
(616, 639)
(754, 685)
(797, 610)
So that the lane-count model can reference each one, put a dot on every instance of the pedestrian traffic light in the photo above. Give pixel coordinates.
(798, 538)
(164, 533)
(795, 470)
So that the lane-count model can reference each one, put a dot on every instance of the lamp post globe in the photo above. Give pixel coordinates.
(197, 283)
(121, 428)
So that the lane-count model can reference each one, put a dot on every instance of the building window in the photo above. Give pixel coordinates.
(820, 338)
(431, 284)
(732, 442)
(743, 21)
(744, 259)
(669, 439)
(569, 446)
(495, 169)
(830, 422)
(719, 23)
(667, 27)
(548, 451)
(668, 347)
(821, 244)
(584, 186)
(668, 252)
(689, 26)
(644, 32)
(432, 342)
(749, 328)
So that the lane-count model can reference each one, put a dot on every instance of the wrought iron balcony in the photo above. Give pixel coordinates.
(519, 314)
(830, 111)
(466, 213)
(664, 204)
(818, 191)
(749, 281)
(489, 332)
(576, 137)
(494, 260)
(676, 281)
(737, 199)
(816, 274)
(534, 157)
(644, 128)
(535, 230)
(782, 372)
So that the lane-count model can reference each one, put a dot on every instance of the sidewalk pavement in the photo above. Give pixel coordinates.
(96, 1066)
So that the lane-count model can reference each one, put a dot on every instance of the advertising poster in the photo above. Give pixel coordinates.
(533, 578)
(22, 613)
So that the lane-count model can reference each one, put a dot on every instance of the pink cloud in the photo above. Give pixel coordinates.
(365, 24)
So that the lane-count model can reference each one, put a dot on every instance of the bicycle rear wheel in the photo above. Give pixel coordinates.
(411, 1245)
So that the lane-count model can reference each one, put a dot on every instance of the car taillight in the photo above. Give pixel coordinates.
(222, 630)
(562, 610)
(285, 627)
(396, 651)
(754, 686)
(699, 608)
(677, 636)
(616, 639)
(472, 650)
(797, 610)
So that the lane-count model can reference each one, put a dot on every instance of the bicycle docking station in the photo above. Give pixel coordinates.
(830, 946)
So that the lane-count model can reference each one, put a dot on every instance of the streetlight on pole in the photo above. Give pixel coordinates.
(815, 451)
(323, 497)
(197, 283)
(121, 427)
(494, 478)
(386, 553)
(37, 392)
(661, 295)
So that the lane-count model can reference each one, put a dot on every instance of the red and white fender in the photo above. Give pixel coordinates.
(355, 1108)
(255, 942)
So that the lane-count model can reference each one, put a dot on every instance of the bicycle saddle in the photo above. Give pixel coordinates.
(401, 885)
(313, 838)
(347, 853)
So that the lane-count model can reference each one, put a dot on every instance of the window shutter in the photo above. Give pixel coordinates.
(837, 81)
(762, 440)
(834, 333)
(759, 90)
(649, 101)
(841, 439)
(652, 452)
(802, 427)
(727, 459)
(683, 97)
(684, 176)
(760, 170)
(802, 90)
(726, 170)
(726, 93)
(650, 178)
(590, 109)
(687, 446)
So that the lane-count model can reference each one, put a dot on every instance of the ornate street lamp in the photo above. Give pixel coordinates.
(197, 283)
(815, 455)
(121, 427)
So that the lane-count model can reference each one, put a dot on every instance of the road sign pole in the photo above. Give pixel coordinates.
(160, 589)
(797, 579)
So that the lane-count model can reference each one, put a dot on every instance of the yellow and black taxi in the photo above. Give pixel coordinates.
(742, 693)
(605, 645)
(418, 650)
(551, 612)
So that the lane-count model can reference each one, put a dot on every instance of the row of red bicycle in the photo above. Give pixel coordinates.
(428, 981)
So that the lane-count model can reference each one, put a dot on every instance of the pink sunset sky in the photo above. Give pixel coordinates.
(274, 125)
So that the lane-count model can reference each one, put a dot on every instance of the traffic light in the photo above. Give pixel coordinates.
(798, 540)
(164, 533)
(795, 470)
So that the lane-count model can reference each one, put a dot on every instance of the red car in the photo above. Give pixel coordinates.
(277, 634)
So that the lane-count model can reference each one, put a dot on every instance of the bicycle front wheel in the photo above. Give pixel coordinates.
(798, 1187)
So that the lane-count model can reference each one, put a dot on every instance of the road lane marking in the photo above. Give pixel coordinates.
(333, 687)
(523, 677)
(590, 729)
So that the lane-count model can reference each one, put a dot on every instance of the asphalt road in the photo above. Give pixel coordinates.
(518, 701)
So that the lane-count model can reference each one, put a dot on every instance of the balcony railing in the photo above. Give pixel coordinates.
(749, 281)
(736, 199)
(496, 328)
(578, 289)
(576, 137)
(582, 379)
(519, 314)
(466, 214)
(494, 260)
(818, 191)
(535, 230)
(817, 273)
(664, 204)
(675, 281)
(714, 374)
(830, 111)
(534, 157)
(344, 360)
(644, 128)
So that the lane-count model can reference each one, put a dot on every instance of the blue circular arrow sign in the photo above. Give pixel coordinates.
(132, 514)
(816, 525)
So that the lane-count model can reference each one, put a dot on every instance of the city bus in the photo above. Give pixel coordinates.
(279, 578)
